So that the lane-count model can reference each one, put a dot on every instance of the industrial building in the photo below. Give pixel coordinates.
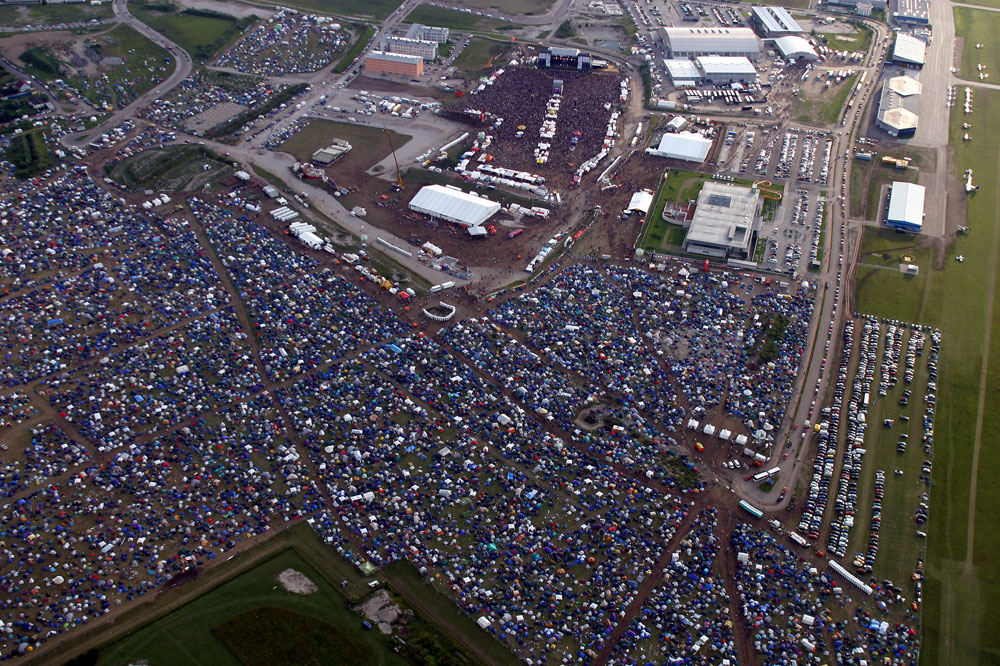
(415, 47)
(771, 22)
(916, 12)
(899, 106)
(713, 70)
(563, 58)
(448, 203)
(687, 146)
(718, 70)
(693, 42)
(906, 207)
(793, 47)
(427, 33)
(909, 50)
(380, 62)
(725, 221)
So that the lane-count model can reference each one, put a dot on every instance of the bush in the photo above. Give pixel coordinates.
(566, 30)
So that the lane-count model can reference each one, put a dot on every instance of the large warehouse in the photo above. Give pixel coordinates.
(899, 106)
(908, 50)
(916, 12)
(687, 146)
(724, 221)
(906, 207)
(451, 204)
(795, 48)
(693, 42)
(774, 22)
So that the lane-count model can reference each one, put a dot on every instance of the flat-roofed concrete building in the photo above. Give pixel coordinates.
(899, 106)
(417, 47)
(428, 33)
(725, 221)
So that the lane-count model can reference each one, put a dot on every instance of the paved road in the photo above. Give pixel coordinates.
(182, 68)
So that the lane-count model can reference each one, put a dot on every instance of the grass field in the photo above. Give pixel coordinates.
(825, 108)
(477, 56)
(510, 7)
(978, 26)
(171, 169)
(236, 609)
(361, 35)
(19, 15)
(368, 144)
(961, 611)
(455, 20)
(853, 41)
(202, 34)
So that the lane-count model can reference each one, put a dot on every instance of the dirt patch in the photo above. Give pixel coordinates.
(72, 51)
(296, 582)
(213, 116)
(381, 611)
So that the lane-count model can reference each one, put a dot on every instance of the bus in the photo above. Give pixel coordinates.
(797, 538)
(766, 474)
(751, 509)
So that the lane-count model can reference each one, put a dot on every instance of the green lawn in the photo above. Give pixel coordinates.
(202, 34)
(826, 108)
(510, 7)
(188, 635)
(455, 20)
(18, 15)
(476, 56)
(858, 40)
(977, 26)
(961, 611)
(361, 33)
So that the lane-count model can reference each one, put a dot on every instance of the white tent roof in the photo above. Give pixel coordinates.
(793, 46)
(641, 201)
(741, 439)
(709, 429)
(453, 205)
(688, 146)
(725, 434)
(692, 424)
(906, 204)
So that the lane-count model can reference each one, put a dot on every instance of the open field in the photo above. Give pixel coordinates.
(455, 20)
(978, 27)
(29, 154)
(201, 33)
(171, 169)
(19, 15)
(826, 107)
(200, 631)
(961, 611)
(510, 7)
(853, 41)
(477, 56)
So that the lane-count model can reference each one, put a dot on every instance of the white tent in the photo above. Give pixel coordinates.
(687, 146)
(741, 440)
(453, 205)
(641, 201)
(693, 424)
(709, 429)
(725, 435)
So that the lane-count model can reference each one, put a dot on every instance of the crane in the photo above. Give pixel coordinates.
(399, 176)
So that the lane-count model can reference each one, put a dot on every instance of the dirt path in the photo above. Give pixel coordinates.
(644, 591)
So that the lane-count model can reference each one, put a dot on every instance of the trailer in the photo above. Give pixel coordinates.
(751, 509)
(799, 539)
